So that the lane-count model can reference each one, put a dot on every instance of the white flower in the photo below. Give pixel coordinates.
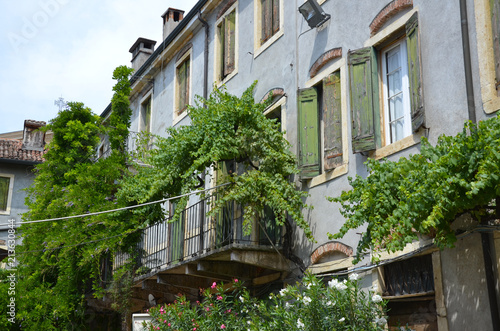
(353, 276)
(342, 319)
(300, 325)
(333, 283)
(242, 299)
(376, 298)
(329, 303)
(283, 292)
(375, 288)
(341, 286)
(308, 286)
(381, 321)
(306, 300)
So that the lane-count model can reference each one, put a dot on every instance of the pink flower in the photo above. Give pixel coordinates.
(222, 326)
(236, 280)
(214, 285)
(219, 297)
(169, 324)
(207, 309)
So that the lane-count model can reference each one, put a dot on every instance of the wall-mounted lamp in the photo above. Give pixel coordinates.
(313, 13)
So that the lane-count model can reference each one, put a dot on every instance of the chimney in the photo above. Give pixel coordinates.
(141, 50)
(33, 138)
(171, 19)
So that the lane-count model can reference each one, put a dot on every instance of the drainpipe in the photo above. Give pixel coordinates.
(205, 95)
(205, 69)
(485, 237)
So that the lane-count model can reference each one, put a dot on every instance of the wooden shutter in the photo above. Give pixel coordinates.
(308, 133)
(267, 20)
(4, 192)
(181, 93)
(222, 36)
(332, 122)
(495, 25)
(414, 73)
(147, 116)
(364, 99)
(229, 43)
(276, 16)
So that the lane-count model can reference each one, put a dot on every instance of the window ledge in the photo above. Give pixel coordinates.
(398, 146)
(327, 176)
(268, 43)
(227, 78)
(178, 118)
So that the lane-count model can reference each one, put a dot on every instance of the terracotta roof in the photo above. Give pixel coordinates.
(11, 149)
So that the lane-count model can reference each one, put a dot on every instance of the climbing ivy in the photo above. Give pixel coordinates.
(223, 128)
(426, 192)
(61, 263)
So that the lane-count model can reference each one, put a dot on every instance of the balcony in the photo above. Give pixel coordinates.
(198, 249)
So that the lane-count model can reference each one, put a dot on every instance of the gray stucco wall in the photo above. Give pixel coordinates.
(464, 286)
(23, 177)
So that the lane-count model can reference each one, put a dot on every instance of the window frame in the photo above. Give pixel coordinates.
(10, 192)
(281, 102)
(179, 114)
(486, 57)
(339, 65)
(381, 39)
(260, 46)
(147, 99)
(219, 77)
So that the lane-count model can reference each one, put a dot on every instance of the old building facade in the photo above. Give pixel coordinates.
(367, 80)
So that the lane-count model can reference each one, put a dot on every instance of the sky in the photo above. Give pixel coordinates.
(68, 48)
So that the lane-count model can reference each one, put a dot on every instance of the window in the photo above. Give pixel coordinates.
(226, 61)
(182, 83)
(6, 188)
(145, 117)
(396, 93)
(402, 111)
(320, 116)
(268, 23)
(270, 11)
(409, 287)
(487, 17)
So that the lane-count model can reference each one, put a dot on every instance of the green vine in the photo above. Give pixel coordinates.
(423, 194)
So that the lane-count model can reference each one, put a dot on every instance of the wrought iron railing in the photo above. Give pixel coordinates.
(197, 233)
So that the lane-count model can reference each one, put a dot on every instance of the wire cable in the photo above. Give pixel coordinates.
(114, 210)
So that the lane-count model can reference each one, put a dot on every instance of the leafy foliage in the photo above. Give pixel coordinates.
(61, 262)
(310, 305)
(424, 193)
(223, 128)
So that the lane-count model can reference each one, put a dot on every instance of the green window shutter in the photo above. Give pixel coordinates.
(222, 47)
(414, 73)
(495, 25)
(332, 122)
(147, 116)
(230, 43)
(181, 84)
(364, 100)
(4, 192)
(308, 133)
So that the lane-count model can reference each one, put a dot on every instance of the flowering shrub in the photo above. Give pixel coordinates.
(310, 305)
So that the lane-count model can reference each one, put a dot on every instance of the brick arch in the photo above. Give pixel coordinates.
(330, 247)
(324, 59)
(387, 12)
(272, 93)
(225, 8)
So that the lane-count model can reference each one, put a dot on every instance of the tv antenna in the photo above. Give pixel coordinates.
(61, 103)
